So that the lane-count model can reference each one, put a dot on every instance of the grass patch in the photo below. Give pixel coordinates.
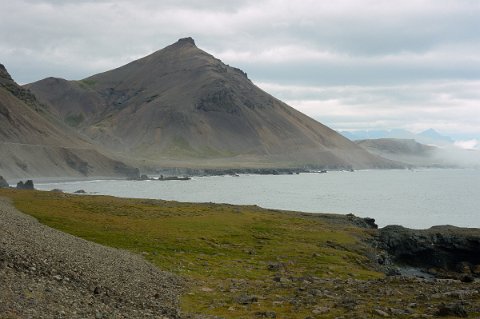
(74, 120)
(225, 251)
(86, 84)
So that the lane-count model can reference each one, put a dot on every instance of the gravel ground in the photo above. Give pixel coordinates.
(45, 273)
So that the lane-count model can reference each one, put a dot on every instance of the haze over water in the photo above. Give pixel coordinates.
(415, 199)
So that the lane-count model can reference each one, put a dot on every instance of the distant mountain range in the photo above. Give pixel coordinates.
(429, 137)
(182, 107)
(410, 152)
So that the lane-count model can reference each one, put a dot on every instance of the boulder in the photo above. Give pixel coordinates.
(452, 310)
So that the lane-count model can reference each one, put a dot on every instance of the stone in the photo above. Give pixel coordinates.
(467, 278)
(456, 310)
(266, 314)
(463, 267)
(476, 270)
(274, 266)
(320, 310)
(247, 299)
(381, 313)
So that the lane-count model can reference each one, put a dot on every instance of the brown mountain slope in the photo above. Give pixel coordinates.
(33, 146)
(182, 106)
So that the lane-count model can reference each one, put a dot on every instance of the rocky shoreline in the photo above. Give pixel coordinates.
(440, 251)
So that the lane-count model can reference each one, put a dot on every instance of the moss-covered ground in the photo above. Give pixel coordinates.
(239, 261)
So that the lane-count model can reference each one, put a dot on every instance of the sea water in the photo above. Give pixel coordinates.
(412, 198)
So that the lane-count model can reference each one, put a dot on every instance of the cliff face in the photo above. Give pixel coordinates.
(441, 250)
(182, 104)
(34, 144)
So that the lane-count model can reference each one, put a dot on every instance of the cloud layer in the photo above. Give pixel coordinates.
(351, 64)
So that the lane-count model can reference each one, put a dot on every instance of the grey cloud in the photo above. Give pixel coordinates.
(369, 57)
(451, 107)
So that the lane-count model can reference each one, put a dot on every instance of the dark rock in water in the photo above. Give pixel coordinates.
(27, 185)
(173, 178)
(80, 191)
(456, 310)
(441, 248)
(3, 183)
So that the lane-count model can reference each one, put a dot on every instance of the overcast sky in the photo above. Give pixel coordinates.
(364, 64)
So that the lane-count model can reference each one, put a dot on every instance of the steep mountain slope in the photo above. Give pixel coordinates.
(31, 145)
(182, 106)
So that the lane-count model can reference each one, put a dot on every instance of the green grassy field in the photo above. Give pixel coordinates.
(225, 252)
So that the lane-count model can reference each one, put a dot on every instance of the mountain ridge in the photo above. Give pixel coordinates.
(33, 144)
(416, 154)
(429, 136)
(182, 105)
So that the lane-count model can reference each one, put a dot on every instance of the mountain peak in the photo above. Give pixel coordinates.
(4, 75)
(187, 40)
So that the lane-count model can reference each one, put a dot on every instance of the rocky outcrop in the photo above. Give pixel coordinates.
(3, 183)
(362, 222)
(440, 250)
(27, 185)
(19, 92)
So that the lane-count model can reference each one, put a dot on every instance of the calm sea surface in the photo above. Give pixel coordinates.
(415, 199)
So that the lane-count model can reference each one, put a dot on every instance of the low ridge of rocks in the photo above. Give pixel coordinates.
(442, 251)
(45, 273)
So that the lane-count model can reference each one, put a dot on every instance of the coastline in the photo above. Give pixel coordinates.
(414, 199)
(327, 277)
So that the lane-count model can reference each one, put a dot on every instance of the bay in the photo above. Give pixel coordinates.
(415, 199)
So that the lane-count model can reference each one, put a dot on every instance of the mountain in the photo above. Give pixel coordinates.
(376, 134)
(430, 136)
(32, 144)
(412, 153)
(407, 151)
(180, 106)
